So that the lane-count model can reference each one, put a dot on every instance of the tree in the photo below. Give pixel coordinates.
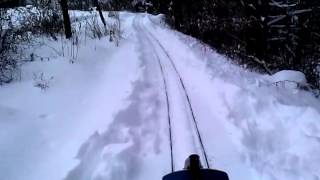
(96, 3)
(66, 18)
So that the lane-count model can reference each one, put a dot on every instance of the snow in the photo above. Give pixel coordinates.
(17, 16)
(289, 79)
(256, 132)
(105, 115)
(289, 75)
(42, 130)
(76, 15)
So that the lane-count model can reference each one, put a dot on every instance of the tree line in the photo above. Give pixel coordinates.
(267, 35)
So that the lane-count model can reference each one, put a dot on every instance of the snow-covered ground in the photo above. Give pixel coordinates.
(105, 116)
(42, 130)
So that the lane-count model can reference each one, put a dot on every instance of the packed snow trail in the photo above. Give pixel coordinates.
(168, 72)
(219, 139)
(113, 113)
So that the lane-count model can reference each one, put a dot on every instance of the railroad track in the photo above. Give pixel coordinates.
(159, 50)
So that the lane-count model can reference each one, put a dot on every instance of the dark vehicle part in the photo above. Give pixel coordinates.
(193, 171)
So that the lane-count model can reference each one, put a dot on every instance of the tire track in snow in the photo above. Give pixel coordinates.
(167, 99)
(150, 37)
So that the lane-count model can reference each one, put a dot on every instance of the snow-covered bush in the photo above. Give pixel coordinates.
(289, 79)
(43, 19)
(51, 23)
(96, 29)
(41, 81)
(9, 40)
(114, 26)
(75, 42)
(18, 27)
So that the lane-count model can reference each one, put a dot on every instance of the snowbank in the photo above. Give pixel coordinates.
(17, 16)
(288, 79)
(41, 130)
(289, 75)
(158, 19)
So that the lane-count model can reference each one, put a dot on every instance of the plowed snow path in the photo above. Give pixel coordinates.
(186, 137)
(216, 139)
(115, 111)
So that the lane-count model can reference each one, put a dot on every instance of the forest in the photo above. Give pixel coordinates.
(265, 36)
(268, 35)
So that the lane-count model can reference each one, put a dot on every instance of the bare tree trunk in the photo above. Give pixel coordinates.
(66, 19)
(100, 12)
